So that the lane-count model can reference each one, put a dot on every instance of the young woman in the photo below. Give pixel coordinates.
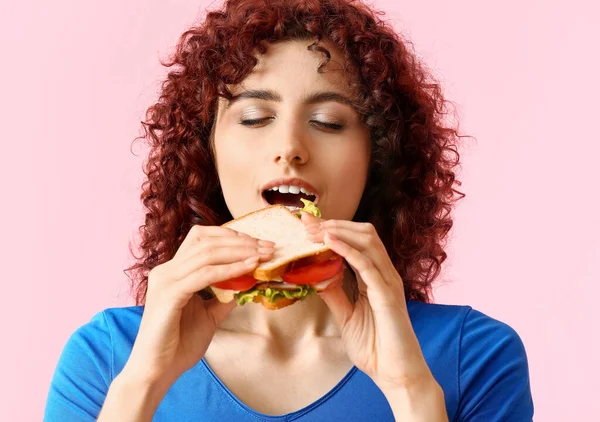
(302, 93)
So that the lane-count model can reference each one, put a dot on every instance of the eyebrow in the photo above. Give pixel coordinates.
(314, 98)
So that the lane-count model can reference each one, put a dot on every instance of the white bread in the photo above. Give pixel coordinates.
(280, 225)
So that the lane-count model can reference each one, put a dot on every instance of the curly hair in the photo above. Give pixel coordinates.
(410, 189)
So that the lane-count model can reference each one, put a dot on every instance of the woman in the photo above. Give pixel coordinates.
(324, 92)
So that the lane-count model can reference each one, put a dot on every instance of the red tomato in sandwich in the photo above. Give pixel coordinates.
(240, 283)
(314, 273)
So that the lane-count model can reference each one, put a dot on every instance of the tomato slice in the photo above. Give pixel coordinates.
(240, 283)
(314, 273)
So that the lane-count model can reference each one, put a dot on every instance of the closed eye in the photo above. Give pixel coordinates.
(327, 125)
(318, 123)
(254, 122)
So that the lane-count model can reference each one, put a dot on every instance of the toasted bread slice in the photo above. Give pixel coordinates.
(280, 225)
(282, 302)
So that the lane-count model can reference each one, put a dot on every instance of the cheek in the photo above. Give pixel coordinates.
(232, 164)
(347, 173)
(235, 168)
(234, 154)
(352, 162)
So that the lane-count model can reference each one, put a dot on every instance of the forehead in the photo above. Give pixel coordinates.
(289, 66)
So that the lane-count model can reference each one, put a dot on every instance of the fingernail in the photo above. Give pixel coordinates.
(266, 243)
(265, 251)
(330, 236)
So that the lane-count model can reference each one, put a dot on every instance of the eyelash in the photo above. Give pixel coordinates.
(253, 122)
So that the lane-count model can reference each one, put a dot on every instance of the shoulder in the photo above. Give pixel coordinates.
(106, 330)
(479, 361)
(106, 339)
(427, 312)
(92, 356)
(112, 324)
(463, 323)
(122, 319)
(437, 325)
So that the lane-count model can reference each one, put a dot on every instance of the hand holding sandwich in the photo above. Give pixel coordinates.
(376, 330)
(177, 325)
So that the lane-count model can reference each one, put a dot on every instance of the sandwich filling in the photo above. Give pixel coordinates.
(304, 277)
(273, 291)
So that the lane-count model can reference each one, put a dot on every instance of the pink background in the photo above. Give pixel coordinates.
(76, 77)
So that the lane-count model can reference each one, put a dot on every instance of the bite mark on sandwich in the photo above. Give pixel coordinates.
(289, 193)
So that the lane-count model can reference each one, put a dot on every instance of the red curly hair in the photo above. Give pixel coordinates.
(410, 188)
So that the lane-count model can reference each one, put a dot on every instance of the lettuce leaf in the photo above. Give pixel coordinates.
(272, 294)
(310, 208)
(246, 297)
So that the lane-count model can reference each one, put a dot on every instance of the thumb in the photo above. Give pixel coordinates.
(337, 301)
(309, 219)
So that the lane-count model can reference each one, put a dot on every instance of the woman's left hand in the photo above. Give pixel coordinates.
(376, 330)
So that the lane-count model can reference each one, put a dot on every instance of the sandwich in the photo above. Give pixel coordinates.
(299, 267)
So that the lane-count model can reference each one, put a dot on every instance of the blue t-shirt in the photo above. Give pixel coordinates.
(479, 362)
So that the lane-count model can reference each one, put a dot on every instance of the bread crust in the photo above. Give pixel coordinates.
(279, 303)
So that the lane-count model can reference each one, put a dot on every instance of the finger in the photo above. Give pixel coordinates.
(210, 274)
(315, 233)
(199, 232)
(208, 244)
(221, 255)
(358, 240)
(337, 301)
(309, 219)
(312, 226)
(360, 262)
(367, 243)
(352, 225)
(361, 235)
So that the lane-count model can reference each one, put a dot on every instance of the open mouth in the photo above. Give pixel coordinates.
(289, 196)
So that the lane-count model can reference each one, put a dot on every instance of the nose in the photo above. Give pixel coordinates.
(291, 148)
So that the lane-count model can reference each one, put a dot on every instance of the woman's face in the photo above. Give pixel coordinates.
(290, 127)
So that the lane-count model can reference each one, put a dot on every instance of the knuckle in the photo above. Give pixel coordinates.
(196, 230)
(202, 244)
(368, 228)
(371, 240)
(156, 277)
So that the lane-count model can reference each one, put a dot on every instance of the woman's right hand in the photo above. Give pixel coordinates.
(177, 324)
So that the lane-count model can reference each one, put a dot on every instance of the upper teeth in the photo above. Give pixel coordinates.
(291, 189)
